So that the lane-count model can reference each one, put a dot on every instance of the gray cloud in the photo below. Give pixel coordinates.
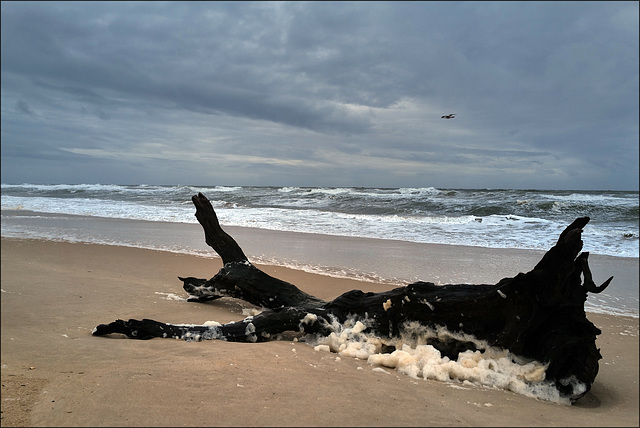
(322, 93)
(23, 107)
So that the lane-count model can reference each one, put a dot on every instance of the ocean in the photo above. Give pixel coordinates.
(142, 216)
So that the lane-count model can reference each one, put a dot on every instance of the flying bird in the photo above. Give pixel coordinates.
(449, 116)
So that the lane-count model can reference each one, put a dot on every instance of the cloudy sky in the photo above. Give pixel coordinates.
(322, 94)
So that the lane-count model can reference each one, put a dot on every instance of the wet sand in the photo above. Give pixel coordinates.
(54, 373)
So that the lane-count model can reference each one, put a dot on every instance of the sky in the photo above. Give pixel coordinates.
(340, 94)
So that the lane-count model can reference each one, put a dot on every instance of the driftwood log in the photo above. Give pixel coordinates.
(537, 315)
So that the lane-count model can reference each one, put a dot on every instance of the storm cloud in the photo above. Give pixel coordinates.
(322, 93)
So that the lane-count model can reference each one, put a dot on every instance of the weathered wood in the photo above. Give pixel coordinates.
(538, 315)
(215, 237)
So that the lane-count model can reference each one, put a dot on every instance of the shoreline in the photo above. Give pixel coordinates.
(246, 231)
(55, 373)
(391, 262)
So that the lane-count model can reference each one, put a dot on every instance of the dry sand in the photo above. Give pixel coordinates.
(54, 373)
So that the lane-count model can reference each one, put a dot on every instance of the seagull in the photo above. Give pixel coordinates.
(449, 116)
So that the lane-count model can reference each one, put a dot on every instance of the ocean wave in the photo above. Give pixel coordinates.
(421, 191)
(487, 218)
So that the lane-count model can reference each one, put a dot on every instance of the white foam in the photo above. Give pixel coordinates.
(171, 296)
(489, 367)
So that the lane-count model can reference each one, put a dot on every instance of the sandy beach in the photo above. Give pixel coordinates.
(54, 373)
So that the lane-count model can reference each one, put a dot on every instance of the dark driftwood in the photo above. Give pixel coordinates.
(537, 315)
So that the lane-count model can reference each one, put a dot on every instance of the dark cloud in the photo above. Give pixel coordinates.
(324, 93)
(23, 107)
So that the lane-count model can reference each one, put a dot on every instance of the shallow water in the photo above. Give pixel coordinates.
(382, 260)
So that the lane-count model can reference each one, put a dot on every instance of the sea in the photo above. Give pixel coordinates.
(142, 215)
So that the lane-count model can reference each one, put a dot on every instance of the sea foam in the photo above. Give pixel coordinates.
(489, 367)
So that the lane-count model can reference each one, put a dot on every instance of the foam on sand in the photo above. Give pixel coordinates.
(489, 366)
